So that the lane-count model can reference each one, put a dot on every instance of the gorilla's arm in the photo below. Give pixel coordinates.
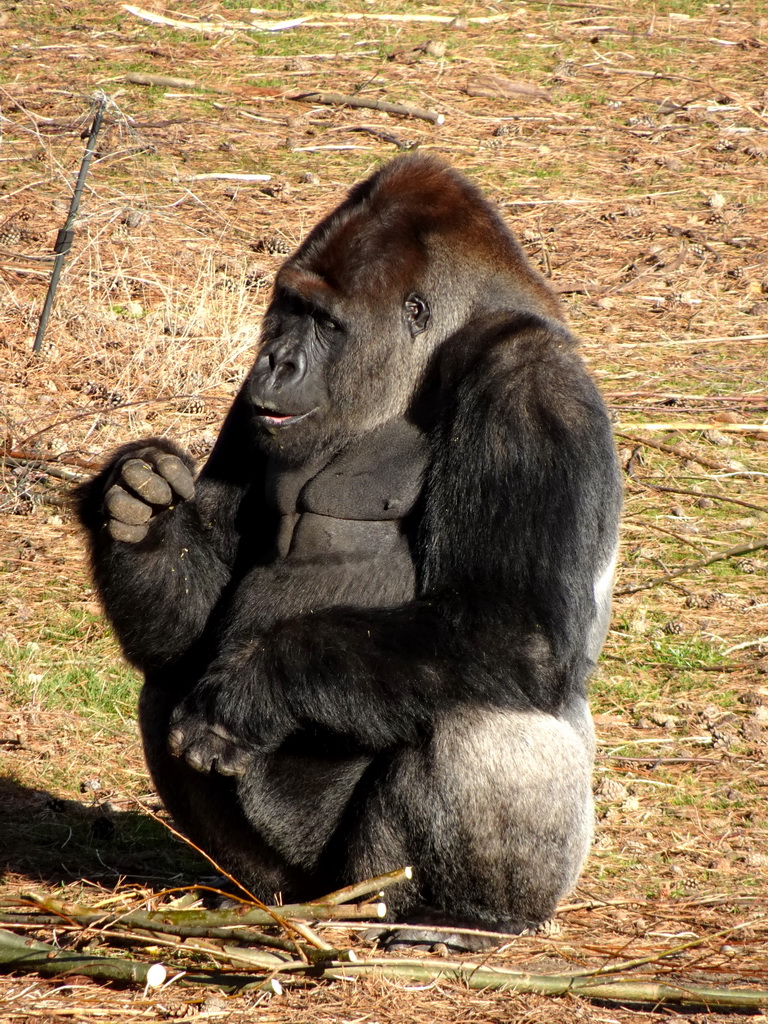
(160, 561)
(522, 503)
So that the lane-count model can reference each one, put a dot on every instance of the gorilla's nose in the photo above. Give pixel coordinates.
(285, 369)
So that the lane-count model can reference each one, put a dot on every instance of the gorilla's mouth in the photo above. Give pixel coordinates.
(273, 418)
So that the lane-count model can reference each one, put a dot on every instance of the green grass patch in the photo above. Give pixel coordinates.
(684, 652)
(76, 666)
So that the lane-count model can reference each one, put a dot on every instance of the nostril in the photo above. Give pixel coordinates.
(271, 358)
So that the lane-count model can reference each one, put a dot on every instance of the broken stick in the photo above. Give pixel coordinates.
(333, 99)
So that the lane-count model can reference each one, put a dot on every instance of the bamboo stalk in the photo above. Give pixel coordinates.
(614, 990)
(220, 924)
(367, 888)
(213, 27)
(18, 954)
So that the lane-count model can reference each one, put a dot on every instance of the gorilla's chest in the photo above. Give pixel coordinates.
(345, 527)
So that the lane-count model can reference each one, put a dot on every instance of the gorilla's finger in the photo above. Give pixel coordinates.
(176, 740)
(127, 533)
(177, 475)
(231, 759)
(121, 505)
(142, 479)
(233, 763)
(199, 757)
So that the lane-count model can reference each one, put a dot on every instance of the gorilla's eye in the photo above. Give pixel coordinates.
(416, 312)
(324, 321)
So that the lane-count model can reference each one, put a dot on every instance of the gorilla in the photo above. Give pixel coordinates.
(366, 627)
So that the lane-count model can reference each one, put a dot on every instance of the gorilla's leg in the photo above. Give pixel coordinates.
(494, 813)
(207, 808)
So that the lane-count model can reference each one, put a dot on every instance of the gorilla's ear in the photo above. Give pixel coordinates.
(416, 312)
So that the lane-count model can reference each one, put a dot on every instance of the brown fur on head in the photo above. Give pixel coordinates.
(416, 235)
(384, 237)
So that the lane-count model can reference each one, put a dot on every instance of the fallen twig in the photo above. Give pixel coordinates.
(370, 887)
(18, 953)
(740, 549)
(430, 19)
(643, 528)
(670, 342)
(333, 99)
(213, 27)
(494, 86)
(614, 990)
(696, 494)
(219, 924)
(41, 465)
(381, 135)
(734, 428)
(681, 453)
(226, 176)
(139, 78)
(608, 983)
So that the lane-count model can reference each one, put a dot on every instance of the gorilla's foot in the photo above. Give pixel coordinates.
(436, 930)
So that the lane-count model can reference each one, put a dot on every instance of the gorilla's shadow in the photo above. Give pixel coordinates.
(49, 839)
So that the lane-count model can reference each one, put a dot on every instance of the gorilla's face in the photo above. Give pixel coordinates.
(412, 256)
(332, 364)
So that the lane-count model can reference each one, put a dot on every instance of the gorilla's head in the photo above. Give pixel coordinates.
(411, 256)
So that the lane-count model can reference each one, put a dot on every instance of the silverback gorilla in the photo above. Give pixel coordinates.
(366, 627)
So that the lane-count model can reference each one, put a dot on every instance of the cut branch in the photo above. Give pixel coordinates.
(614, 990)
(336, 99)
(220, 924)
(20, 954)
(213, 27)
(371, 886)
(138, 78)
(227, 176)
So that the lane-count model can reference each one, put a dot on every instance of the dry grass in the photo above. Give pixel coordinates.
(642, 188)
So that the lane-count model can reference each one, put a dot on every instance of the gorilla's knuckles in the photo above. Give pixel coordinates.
(127, 533)
(178, 476)
(125, 508)
(141, 478)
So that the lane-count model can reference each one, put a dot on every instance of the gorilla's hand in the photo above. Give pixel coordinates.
(205, 746)
(229, 715)
(144, 484)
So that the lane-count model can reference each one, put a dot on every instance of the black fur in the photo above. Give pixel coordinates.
(367, 638)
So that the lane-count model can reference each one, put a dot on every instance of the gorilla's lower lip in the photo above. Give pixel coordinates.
(272, 418)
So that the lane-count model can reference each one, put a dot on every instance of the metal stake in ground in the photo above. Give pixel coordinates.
(66, 234)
